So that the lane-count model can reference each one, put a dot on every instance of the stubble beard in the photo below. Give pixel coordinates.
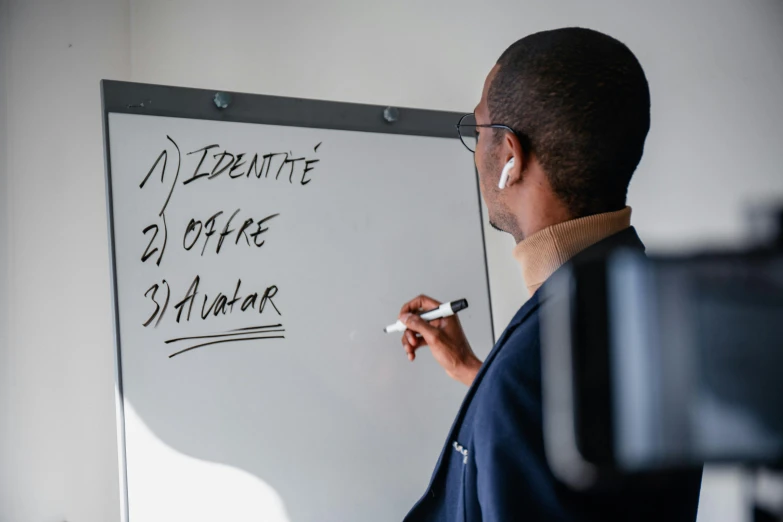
(496, 226)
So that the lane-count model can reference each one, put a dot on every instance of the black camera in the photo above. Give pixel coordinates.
(664, 362)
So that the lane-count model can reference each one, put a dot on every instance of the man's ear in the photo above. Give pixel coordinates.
(513, 149)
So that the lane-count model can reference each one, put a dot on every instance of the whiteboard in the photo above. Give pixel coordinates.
(262, 386)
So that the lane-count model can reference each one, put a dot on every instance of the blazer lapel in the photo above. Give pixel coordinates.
(528, 308)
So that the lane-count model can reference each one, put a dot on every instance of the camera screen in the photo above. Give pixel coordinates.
(696, 358)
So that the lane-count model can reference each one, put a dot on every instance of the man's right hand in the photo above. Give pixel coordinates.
(445, 338)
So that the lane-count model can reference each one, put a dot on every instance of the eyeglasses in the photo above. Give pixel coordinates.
(466, 128)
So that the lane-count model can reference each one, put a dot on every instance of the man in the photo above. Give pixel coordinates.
(571, 107)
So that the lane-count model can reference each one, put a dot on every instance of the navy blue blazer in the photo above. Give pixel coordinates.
(493, 468)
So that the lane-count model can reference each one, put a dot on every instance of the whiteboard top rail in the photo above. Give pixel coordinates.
(185, 102)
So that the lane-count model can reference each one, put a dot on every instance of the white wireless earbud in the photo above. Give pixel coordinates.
(504, 174)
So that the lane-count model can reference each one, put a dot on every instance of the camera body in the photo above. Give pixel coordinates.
(659, 363)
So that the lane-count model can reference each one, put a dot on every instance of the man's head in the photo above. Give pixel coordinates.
(579, 104)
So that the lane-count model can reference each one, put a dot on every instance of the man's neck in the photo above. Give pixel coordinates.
(542, 220)
(545, 251)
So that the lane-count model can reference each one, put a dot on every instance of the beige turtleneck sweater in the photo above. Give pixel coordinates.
(548, 249)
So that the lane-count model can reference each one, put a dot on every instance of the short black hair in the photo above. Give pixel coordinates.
(580, 102)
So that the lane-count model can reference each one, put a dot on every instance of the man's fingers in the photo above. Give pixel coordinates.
(409, 337)
(418, 325)
(411, 343)
(409, 350)
(438, 323)
(419, 332)
(422, 302)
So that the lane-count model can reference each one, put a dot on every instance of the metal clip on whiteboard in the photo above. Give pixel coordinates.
(391, 114)
(222, 100)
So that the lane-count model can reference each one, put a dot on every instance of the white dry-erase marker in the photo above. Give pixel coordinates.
(444, 310)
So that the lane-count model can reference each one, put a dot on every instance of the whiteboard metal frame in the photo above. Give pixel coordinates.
(182, 102)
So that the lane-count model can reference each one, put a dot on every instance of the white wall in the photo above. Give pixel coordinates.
(4, 352)
(715, 73)
(58, 446)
